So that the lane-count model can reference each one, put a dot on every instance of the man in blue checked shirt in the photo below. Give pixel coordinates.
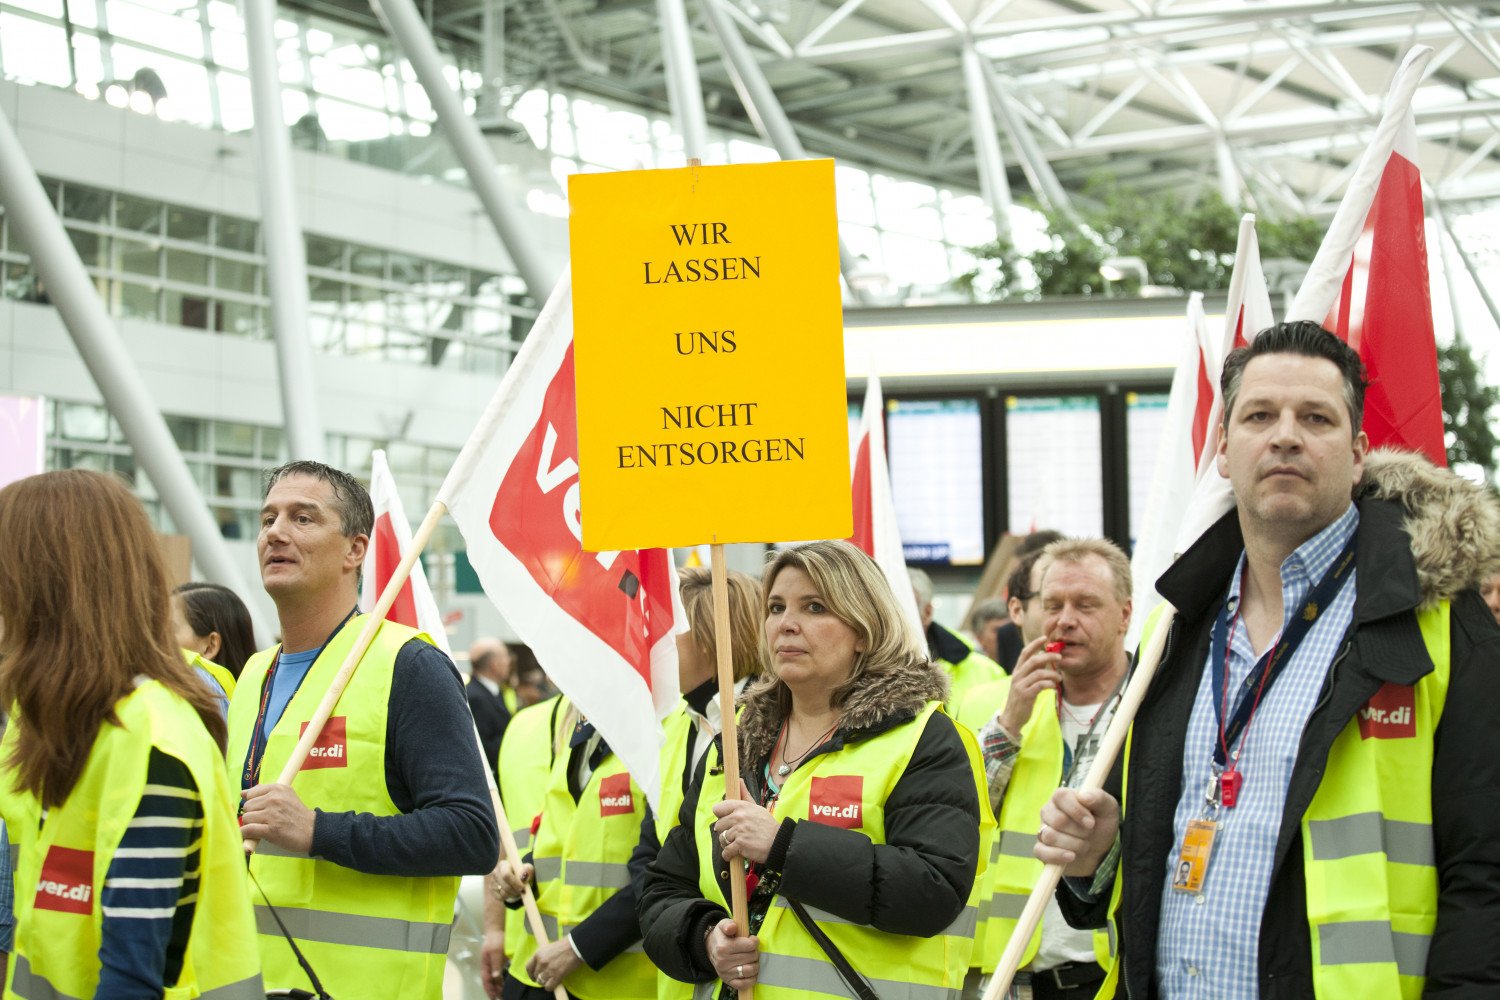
(1312, 798)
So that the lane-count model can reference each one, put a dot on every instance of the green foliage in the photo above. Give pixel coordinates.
(1185, 244)
(1467, 403)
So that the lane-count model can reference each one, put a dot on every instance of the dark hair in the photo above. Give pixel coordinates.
(1018, 585)
(1310, 340)
(350, 498)
(209, 607)
(1037, 541)
(87, 606)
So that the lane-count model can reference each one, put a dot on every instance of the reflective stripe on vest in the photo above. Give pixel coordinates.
(810, 975)
(327, 902)
(579, 854)
(56, 950)
(332, 927)
(852, 786)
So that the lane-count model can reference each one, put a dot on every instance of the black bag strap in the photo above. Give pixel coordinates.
(312, 976)
(848, 973)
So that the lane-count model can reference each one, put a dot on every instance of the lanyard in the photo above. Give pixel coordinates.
(1104, 709)
(258, 736)
(1264, 673)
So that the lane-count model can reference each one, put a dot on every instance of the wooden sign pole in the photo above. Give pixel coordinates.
(1109, 749)
(739, 903)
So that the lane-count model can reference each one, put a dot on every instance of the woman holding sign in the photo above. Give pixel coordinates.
(863, 812)
(129, 875)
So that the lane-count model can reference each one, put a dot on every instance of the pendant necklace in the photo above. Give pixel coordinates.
(787, 764)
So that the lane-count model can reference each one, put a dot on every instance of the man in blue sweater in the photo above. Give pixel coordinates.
(394, 789)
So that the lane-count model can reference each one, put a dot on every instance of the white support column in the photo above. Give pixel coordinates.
(1463, 255)
(765, 110)
(1034, 162)
(987, 157)
(684, 89)
(38, 230)
(286, 254)
(406, 27)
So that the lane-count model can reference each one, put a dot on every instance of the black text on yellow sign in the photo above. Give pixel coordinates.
(708, 339)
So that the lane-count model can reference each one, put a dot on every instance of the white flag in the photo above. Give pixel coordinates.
(602, 624)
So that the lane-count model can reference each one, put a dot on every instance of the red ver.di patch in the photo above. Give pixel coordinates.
(615, 798)
(332, 748)
(836, 800)
(1391, 713)
(67, 882)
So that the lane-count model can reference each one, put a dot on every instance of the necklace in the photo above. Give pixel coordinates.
(789, 763)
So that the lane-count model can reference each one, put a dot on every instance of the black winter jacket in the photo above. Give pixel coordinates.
(916, 883)
(1383, 644)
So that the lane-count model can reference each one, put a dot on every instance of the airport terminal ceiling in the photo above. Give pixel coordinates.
(1268, 102)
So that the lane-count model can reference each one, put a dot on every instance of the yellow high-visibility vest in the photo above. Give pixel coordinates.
(853, 785)
(525, 761)
(580, 855)
(60, 865)
(357, 930)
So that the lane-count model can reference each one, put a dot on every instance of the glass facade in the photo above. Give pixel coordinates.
(346, 92)
(206, 271)
(228, 460)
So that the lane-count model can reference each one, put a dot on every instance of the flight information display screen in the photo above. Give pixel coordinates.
(1145, 422)
(1055, 477)
(937, 477)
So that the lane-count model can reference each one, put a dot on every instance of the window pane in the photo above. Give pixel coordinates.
(188, 224)
(235, 276)
(242, 320)
(187, 432)
(82, 422)
(141, 216)
(187, 266)
(236, 234)
(31, 50)
(86, 204)
(234, 439)
(138, 302)
(135, 257)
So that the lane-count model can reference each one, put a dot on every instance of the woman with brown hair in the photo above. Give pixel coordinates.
(112, 780)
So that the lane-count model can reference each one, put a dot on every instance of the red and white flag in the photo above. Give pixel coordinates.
(1247, 312)
(1187, 437)
(391, 540)
(875, 529)
(1368, 282)
(602, 624)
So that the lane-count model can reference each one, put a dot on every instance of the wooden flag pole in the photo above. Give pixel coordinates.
(361, 643)
(511, 851)
(739, 903)
(1109, 749)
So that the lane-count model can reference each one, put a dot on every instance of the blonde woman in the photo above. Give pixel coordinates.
(863, 814)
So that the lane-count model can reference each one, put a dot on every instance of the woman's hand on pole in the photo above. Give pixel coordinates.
(510, 881)
(744, 829)
(736, 959)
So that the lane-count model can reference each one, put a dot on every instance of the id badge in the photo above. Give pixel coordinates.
(1192, 858)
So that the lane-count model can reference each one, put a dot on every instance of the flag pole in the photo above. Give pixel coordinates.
(1109, 749)
(731, 751)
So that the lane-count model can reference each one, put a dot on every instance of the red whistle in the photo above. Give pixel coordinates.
(1229, 788)
(1054, 647)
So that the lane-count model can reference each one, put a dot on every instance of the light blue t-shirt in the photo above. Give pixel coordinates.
(291, 670)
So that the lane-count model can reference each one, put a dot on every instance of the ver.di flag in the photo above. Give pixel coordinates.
(415, 605)
(602, 624)
(1368, 282)
(875, 529)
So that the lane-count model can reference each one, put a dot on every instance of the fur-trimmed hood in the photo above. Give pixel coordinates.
(1454, 524)
(883, 695)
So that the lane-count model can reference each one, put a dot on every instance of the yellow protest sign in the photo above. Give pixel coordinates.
(709, 354)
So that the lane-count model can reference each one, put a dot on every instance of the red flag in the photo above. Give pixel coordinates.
(415, 605)
(875, 528)
(602, 624)
(1368, 283)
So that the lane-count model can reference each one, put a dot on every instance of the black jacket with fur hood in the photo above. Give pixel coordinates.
(916, 883)
(1424, 535)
